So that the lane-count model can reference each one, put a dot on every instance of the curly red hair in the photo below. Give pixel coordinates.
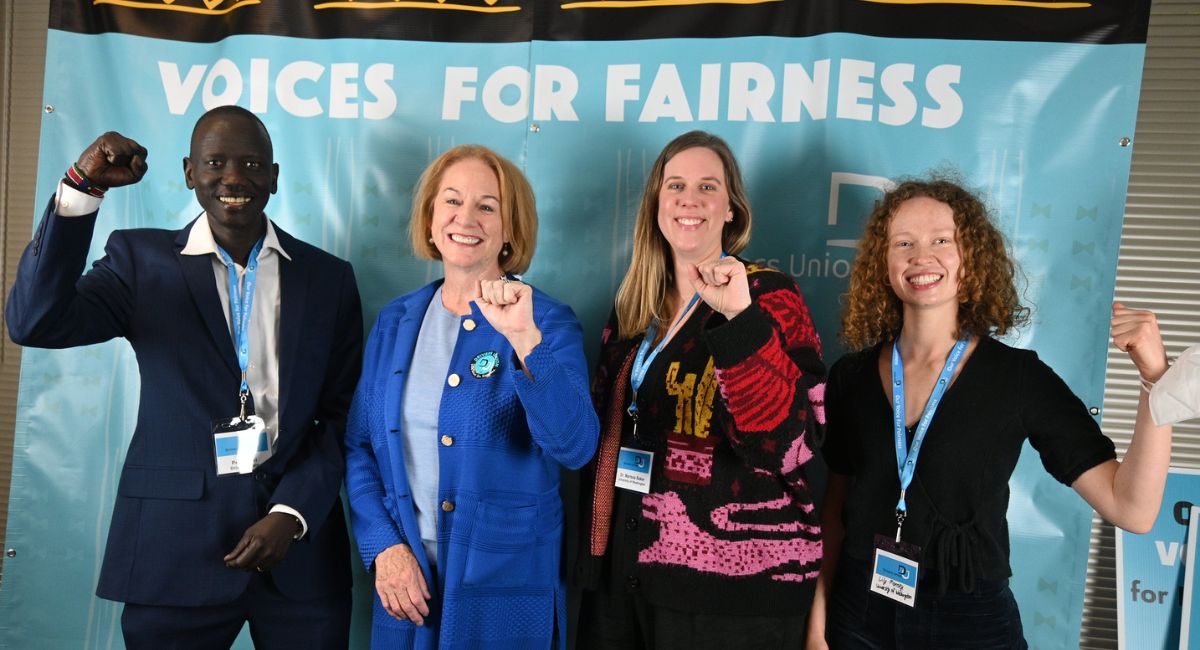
(987, 293)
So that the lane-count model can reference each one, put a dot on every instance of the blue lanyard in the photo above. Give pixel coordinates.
(241, 300)
(641, 363)
(906, 463)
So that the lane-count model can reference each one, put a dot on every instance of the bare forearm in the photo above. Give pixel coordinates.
(1138, 481)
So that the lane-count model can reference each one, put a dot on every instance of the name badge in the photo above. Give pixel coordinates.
(240, 445)
(633, 469)
(895, 572)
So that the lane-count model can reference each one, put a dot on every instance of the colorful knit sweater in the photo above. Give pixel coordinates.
(729, 409)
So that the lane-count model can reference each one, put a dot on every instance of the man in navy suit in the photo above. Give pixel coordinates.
(249, 343)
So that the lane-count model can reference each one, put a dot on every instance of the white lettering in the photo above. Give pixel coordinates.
(223, 70)
(666, 98)
(260, 71)
(751, 86)
(1168, 554)
(618, 91)
(342, 90)
(458, 91)
(894, 81)
(799, 89)
(285, 88)
(710, 92)
(851, 89)
(554, 88)
(376, 80)
(940, 83)
(493, 103)
(179, 92)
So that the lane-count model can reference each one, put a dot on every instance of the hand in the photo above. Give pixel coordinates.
(722, 284)
(264, 544)
(401, 584)
(113, 160)
(1136, 332)
(508, 306)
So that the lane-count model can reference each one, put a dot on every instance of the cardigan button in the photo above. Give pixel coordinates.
(447, 506)
(632, 582)
(469, 324)
(447, 441)
(631, 524)
(454, 380)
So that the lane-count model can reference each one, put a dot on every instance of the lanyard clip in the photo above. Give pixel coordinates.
(242, 398)
(900, 517)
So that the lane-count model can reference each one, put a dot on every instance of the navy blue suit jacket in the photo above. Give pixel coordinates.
(174, 519)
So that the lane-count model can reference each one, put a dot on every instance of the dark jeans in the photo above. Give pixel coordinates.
(861, 620)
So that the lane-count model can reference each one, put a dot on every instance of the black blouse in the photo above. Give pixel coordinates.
(958, 500)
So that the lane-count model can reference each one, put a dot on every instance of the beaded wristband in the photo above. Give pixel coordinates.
(76, 179)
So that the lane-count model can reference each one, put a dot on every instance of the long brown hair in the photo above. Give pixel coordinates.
(644, 297)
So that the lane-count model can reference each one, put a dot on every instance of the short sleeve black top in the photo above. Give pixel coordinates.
(958, 500)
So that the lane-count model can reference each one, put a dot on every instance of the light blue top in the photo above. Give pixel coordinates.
(422, 396)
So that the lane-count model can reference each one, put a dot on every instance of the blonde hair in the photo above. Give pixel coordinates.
(518, 207)
(987, 293)
(645, 294)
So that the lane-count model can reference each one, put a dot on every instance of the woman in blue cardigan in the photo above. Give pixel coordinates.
(473, 396)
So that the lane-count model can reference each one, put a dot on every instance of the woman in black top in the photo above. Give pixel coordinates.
(931, 285)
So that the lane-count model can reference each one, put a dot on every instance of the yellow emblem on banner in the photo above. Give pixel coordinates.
(204, 7)
(487, 6)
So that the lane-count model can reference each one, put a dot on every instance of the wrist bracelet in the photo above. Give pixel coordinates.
(76, 179)
(1147, 385)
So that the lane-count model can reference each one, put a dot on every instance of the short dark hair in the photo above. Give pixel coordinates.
(231, 111)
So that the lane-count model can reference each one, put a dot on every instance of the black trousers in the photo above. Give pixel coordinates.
(275, 622)
(625, 621)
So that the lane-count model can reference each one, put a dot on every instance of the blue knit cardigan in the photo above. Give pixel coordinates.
(502, 441)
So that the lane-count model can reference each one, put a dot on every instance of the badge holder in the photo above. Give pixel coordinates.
(896, 568)
(240, 444)
(633, 465)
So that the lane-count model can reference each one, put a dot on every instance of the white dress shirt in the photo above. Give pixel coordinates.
(263, 373)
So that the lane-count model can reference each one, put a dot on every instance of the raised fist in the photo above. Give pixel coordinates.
(113, 160)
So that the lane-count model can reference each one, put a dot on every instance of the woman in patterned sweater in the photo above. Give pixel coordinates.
(699, 528)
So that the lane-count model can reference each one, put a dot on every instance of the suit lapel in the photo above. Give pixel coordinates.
(294, 278)
(202, 283)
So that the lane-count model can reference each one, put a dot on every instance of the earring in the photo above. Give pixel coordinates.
(505, 250)
(431, 240)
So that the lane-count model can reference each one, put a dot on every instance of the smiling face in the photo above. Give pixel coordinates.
(923, 259)
(232, 170)
(693, 204)
(467, 227)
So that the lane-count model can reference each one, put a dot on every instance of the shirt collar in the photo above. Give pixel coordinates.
(200, 240)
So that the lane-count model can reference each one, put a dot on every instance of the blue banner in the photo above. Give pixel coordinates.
(1150, 570)
(822, 122)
